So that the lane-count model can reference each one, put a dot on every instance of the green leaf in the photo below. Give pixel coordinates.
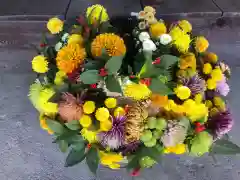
(223, 146)
(63, 145)
(157, 86)
(133, 163)
(69, 136)
(114, 64)
(93, 64)
(55, 126)
(90, 77)
(73, 125)
(113, 84)
(167, 61)
(75, 156)
(148, 69)
(151, 152)
(93, 160)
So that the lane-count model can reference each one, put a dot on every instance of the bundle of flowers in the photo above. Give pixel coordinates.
(126, 103)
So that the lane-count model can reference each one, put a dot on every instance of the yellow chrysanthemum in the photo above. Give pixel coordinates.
(201, 44)
(85, 121)
(40, 64)
(183, 92)
(55, 25)
(59, 78)
(75, 39)
(219, 103)
(210, 57)
(90, 136)
(43, 124)
(207, 68)
(111, 43)
(180, 39)
(89, 107)
(119, 111)
(170, 105)
(178, 149)
(110, 102)
(149, 9)
(97, 13)
(209, 104)
(102, 114)
(198, 98)
(105, 125)
(111, 160)
(157, 29)
(136, 91)
(39, 97)
(185, 25)
(188, 60)
(70, 57)
(211, 84)
(216, 74)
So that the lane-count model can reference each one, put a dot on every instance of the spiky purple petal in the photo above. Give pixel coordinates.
(115, 137)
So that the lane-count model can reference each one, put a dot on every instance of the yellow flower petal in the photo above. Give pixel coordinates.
(75, 39)
(183, 92)
(55, 25)
(40, 64)
(102, 114)
(119, 111)
(89, 107)
(111, 102)
(85, 121)
(106, 125)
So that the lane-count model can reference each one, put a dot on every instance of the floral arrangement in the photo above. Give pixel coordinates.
(116, 108)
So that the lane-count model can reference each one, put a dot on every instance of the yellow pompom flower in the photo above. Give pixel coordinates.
(183, 92)
(216, 74)
(40, 64)
(90, 136)
(89, 107)
(149, 9)
(157, 29)
(97, 13)
(59, 78)
(55, 25)
(113, 45)
(75, 39)
(201, 44)
(170, 105)
(105, 125)
(43, 124)
(185, 25)
(85, 121)
(209, 104)
(180, 39)
(178, 149)
(70, 57)
(110, 103)
(198, 98)
(110, 159)
(119, 111)
(188, 60)
(211, 84)
(207, 68)
(210, 57)
(102, 114)
(136, 91)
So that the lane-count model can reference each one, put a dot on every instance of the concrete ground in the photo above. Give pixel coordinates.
(26, 152)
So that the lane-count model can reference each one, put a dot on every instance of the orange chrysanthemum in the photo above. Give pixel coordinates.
(70, 57)
(113, 44)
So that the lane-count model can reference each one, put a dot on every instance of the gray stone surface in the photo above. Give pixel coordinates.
(26, 152)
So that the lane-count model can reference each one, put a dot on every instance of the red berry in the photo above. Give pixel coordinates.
(43, 45)
(136, 172)
(157, 61)
(103, 72)
(132, 76)
(89, 146)
(94, 86)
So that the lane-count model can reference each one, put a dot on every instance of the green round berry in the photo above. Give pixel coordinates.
(146, 136)
(157, 134)
(145, 126)
(151, 143)
(146, 162)
(159, 147)
(161, 124)
(151, 122)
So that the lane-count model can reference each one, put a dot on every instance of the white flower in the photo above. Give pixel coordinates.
(143, 36)
(148, 45)
(58, 46)
(134, 14)
(165, 39)
(65, 36)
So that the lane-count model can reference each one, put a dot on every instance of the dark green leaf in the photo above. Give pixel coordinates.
(75, 156)
(223, 146)
(151, 152)
(93, 160)
(113, 84)
(133, 163)
(55, 126)
(63, 145)
(90, 77)
(93, 64)
(114, 64)
(73, 125)
(70, 136)
(167, 61)
(157, 86)
(148, 69)
(78, 146)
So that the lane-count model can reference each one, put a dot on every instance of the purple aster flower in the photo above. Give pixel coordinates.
(195, 83)
(115, 137)
(220, 123)
(223, 87)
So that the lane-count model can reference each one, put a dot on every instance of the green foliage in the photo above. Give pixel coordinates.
(73, 125)
(90, 77)
(157, 86)
(148, 69)
(63, 145)
(93, 64)
(113, 84)
(224, 146)
(93, 160)
(114, 64)
(167, 61)
(55, 126)
(76, 155)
